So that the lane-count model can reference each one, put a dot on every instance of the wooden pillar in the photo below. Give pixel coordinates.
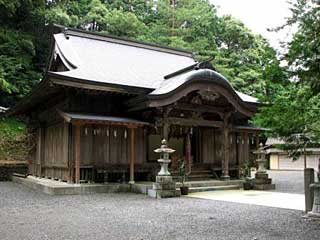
(246, 146)
(188, 154)
(70, 153)
(257, 141)
(166, 131)
(166, 125)
(39, 153)
(132, 154)
(77, 152)
(226, 149)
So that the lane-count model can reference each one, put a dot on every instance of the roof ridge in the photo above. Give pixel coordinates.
(123, 41)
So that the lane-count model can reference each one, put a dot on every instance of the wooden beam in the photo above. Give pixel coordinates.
(194, 122)
(200, 108)
(132, 154)
(77, 153)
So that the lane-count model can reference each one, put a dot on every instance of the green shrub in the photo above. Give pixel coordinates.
(13, 140)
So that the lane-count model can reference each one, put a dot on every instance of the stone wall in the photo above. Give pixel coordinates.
(6, 170)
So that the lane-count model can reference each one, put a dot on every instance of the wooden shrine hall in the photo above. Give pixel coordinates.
(105, 103)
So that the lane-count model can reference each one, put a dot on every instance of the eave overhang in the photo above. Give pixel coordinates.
(67, 81)
(83, 118)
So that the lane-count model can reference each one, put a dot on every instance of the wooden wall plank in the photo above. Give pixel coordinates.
(218, 138)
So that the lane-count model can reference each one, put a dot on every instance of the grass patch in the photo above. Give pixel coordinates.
(13, 140)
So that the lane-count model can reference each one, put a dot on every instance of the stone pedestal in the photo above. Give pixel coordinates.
(262, 181)
(164, 187)
(315, 213)
(225, 178)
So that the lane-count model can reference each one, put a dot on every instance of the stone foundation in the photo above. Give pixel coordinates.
(6, 170)
(164, 187)
(263, 182)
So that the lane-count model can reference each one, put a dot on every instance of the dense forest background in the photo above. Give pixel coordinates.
(290, 92)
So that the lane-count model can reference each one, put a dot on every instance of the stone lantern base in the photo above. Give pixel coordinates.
(164, 187)
(263, 182)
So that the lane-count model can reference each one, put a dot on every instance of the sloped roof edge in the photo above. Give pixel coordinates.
(122, 40)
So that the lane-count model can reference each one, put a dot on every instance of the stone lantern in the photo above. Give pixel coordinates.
(164, 187)
(262, 180)
(261, 159)
(164, 160)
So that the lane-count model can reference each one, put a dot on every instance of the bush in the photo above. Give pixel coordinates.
(13, 140)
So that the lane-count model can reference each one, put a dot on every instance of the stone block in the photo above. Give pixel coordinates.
(152, 193)
(262, 181)
(164, 186)
(261, 175)
(166, 193)
(163, 193)
(264, 187)
(163, 179)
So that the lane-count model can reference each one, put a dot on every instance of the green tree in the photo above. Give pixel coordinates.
(295, 109)
(17, 67)
(247, 60)
(304, 50)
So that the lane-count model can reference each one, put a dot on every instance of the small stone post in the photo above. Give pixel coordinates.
(308, 191)
(164, 187)
(262, 180)
(315, 213)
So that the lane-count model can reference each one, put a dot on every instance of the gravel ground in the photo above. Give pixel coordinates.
(26, 214)
(288, 181)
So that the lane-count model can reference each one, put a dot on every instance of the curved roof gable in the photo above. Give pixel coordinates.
(205, 75)
(173, 89)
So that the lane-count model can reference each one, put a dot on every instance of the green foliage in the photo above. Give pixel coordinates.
(247, 60)
(17, 71)
(304, 50)
(13, 140)
(295, 108)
